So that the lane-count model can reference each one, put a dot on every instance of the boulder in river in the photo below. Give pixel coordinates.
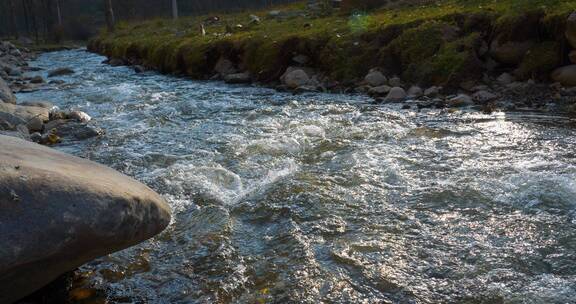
(396, 94)
(71, 129)
(6, 94)
(59, 212)
(60, 72)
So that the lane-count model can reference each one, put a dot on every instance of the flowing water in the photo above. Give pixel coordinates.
(322, 198)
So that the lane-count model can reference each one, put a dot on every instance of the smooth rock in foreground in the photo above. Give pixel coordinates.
(58, 212)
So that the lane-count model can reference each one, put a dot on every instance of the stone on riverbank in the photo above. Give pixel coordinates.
(60, 211)
(6, 94)
(565, 75)
(295, 77)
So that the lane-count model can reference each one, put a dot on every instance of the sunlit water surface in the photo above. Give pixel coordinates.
(325, 198)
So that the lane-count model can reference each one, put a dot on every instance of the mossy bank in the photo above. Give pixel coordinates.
(445, 43)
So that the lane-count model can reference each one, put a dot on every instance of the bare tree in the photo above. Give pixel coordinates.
(110, 22)
(175, 9)
(12, 14)
(58, 13)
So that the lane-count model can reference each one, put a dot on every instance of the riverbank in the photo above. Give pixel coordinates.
(493, 52)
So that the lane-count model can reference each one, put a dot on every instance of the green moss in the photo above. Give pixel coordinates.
(540, 61)
(405, 40)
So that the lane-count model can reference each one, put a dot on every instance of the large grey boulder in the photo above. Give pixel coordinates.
(6, 94)
(58, 212)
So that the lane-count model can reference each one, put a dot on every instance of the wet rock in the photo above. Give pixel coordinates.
(375, 78)
(35, 124)
(432, 91)
(238, 78)
(460, 101)
(139, 69)
(511, 52)
(60, 211)
(37, 79)
(294, 78)
(571, 29)
(379, 91)
(395, 82)
(24, 112)
(6, 94)
(565, 75)
(57, 82)
(484, 96)
(396, 94)
(60, 72)
(70, 129)
(415, 92)
(79, 116)
(38, 103)
(505, 79)
(306, 89)
(116, 62)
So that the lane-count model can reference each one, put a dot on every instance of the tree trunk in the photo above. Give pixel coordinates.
(26, 19)
(110, 22)
(58, 13)
(12, 14)
(175, 9)
(32, 13)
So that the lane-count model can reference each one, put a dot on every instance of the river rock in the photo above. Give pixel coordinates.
(505, 79)
(484, 96)
(460, 101)
(79, 116)
(38, 103)
(71, 129)
(6, 94)
(395, 82)
(238, 78)
(294, 78)
(571, 29)
(510, 52)
(24, 112)
(37, 79)
(432, 91)
(60, 72)
(59, 212)
(375, 78)
(396, 94)
(565, 75)
(139, 69)
(224, 67)
(415, 92)
(379, 91)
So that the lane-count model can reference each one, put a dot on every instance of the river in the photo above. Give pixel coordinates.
(282, 198)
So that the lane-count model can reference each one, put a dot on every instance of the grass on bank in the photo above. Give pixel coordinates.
(407, 40)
